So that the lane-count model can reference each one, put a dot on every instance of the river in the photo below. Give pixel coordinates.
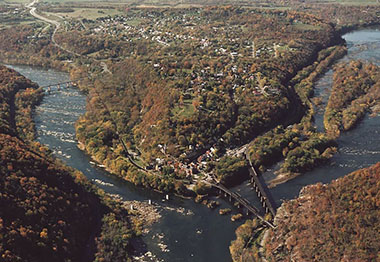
(358, 148)
(201, 235)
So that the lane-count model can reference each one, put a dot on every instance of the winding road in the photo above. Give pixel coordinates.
(33, 12)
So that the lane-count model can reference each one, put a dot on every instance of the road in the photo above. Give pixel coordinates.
(33, 12)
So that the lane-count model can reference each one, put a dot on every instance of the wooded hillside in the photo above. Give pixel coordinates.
(49, 212)
(335, 222)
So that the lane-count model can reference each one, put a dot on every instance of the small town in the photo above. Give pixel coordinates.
(189, 131)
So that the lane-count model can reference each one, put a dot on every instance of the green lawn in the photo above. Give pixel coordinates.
(183, 111)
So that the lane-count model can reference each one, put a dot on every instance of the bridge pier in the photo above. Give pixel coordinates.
(243, 204)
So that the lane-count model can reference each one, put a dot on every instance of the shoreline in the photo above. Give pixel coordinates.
(280, 179)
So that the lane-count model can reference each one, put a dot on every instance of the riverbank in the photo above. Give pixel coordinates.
(355, 91)
(65, 200)
(102, 151)
(325, 210)
(300, 140)
(358, 148)
(349, 123)
(325, 59)
(190, 232)
(195, 225)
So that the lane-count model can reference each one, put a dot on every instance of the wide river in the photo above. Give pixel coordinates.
(199, 234)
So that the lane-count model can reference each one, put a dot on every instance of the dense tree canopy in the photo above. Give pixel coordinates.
(48, 212)
(335, 222)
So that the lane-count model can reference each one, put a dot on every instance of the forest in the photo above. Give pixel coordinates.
(181, 87)
(334, 222)
(327, 222)
(299, 146)
(182, 81)
(355, 91)
(49, 211)
(183, 105)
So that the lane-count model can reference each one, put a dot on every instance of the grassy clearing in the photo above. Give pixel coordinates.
(89, 13)
(73, 2)
(9, 22)
(183, 111)
(281, 8)
(16, 1)
(188, 71)
(354, 2)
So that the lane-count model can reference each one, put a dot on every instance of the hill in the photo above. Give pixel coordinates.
(49, 212)
(335, 222)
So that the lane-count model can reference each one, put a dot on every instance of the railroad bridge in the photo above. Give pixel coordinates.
(261, 189)
(257, 181)
(241, 201)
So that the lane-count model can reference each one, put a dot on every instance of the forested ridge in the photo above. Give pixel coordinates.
(327, 222)
(49, 212)
(334, 222)
(184, 85)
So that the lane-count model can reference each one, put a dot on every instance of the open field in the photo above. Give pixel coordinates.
(183, 111)
(88, 13)
(16, 2)
(4, 25)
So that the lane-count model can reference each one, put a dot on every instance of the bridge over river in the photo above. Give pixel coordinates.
(257, 181)
(241, 201)
(62, 84)
(261, 189)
